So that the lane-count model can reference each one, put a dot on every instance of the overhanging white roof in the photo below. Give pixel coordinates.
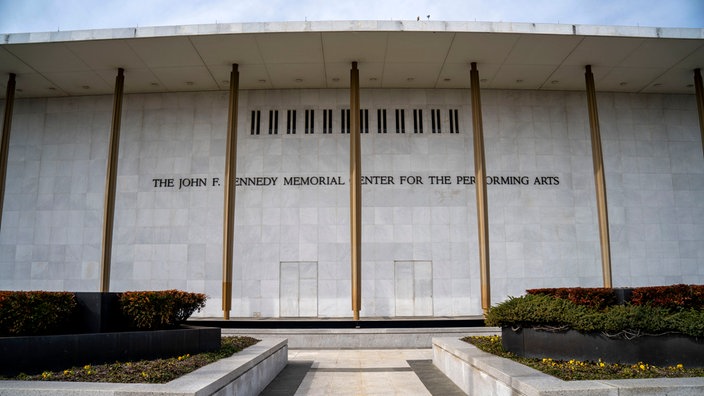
(391, 54)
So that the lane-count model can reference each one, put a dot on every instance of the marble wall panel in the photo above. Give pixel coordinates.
(173, 139)
(656, 160)
(542, 234)
(52, 215)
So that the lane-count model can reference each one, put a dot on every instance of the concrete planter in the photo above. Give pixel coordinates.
(245, 373)
(97, 312)
(481, 373)
(665, 350)
(56, 352)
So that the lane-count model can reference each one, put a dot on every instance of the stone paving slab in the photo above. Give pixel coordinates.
(361, 372)
(434, 379)
(288, 380)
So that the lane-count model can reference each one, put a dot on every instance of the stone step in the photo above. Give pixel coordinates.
(362, 338)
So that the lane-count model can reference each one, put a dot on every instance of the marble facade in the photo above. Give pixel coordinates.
(419, 241)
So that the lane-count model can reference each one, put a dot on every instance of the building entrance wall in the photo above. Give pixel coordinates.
(418, 202)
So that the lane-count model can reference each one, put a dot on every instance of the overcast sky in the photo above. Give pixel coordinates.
(51, 15)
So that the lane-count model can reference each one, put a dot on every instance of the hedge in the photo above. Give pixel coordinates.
(159, 309)
(598, 298)
(24, 313)
(675, 297)
(671, 297)
(658, 316)
(34, 312)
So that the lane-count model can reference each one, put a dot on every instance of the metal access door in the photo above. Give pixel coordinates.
(413, 287)
(298, 289)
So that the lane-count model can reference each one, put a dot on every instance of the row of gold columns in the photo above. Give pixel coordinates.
(599, 178)
(5, 141)
(355, 179)
(111, 182)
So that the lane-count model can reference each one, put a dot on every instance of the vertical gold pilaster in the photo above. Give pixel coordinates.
(480, 178)
(599, 178)
(5, 142)
(699, 91)
(229, 210)
(111, 182)
(355, 194)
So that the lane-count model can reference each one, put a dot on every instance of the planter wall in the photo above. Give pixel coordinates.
(247, 372)
(97, 313)
(56, 352)
(666, 350)
(481, 373)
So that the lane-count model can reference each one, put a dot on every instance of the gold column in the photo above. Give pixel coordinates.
(480, 178)
(355, 194)
(699, 91)
(599, 178)
(229, 210)
(111, 182)
(5, 142)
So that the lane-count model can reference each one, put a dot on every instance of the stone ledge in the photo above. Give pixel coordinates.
(245, 373)
(371, 338)
(480, 373)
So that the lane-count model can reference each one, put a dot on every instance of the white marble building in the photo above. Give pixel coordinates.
(292, 217)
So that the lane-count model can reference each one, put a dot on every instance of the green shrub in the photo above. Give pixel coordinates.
(159, 309)
(543, 311)
(594, 297)
(34, 312)
(535, 309)
(635, 319)
(689, 321)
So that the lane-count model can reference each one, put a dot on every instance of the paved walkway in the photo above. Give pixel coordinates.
(361, 372)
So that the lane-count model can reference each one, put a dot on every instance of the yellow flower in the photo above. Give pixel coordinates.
(46, 374)
(86, 367)
(680, 366)
(642, 366)
(601, 364)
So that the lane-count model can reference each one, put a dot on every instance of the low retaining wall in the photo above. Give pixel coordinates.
(663, 350)
(98, 312)
(56, 352)
(481, 373)
(374, 338)
(245, 373)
